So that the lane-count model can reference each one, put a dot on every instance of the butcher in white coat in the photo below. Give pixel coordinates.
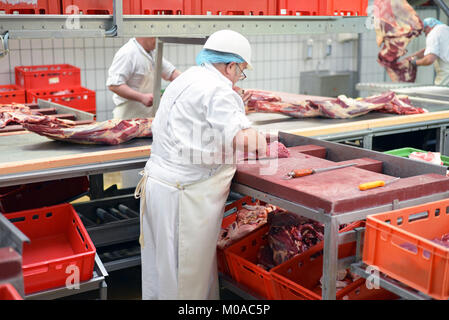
(436, 51)
(199, 125)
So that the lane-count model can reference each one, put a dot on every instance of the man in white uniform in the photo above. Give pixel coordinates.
(131, 78)
(199, 125)
(436, 51)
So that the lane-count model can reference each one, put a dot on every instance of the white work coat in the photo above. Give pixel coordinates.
(437, 42)
(134, 66)
(184, 192)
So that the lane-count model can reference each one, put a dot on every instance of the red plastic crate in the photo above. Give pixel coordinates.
(27, 7)
(153, 7)
(322, 7)
(298, 278)
(399, 244)
(343, 7)
(11, 93)
(47, 76)
(59, 243)
(76, 97)
(222, 263)
(234, 7)
(8, 292)
(40, 194)
(297, 8)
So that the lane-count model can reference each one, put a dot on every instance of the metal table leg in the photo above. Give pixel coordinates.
(330, 259)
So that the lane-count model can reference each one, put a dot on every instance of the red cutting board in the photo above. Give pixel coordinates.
(335, 191)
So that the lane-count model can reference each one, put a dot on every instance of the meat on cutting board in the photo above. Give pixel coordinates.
(396, 24)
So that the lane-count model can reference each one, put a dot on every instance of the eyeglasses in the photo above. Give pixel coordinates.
(243, 75)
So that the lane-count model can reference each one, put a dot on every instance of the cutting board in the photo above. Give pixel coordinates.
(335, 191)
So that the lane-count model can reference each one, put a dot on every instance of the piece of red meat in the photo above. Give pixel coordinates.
(277, 149)
(290, 234)
(258, 95)
(109, 132)
(342, 107)
(396, 24)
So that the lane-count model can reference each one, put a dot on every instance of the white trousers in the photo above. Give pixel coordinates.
(180, 228)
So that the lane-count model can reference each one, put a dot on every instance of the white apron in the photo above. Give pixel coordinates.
(134, 109)
(442, 72)
(180, 225)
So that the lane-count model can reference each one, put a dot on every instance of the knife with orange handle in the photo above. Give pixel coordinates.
(305, 172)
(375, 184)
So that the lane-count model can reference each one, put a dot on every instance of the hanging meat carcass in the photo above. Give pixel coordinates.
(396, 24)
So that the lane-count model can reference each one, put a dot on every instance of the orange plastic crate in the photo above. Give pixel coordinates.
(60, 247)
(242, 261)
(8, 292)
(47, 76)
(11, 93)
(399, 244)
(298, 278)
(28, 7)
(76, 97)
(229, 219)
(234, 7)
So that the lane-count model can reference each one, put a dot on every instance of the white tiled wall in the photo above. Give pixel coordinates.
(278, 60)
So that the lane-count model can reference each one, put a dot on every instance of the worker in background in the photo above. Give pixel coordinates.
(131, 78)
(436, 51)
(186, 181)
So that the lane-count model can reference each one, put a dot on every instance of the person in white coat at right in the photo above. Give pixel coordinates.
(436, 51)
(199, 126)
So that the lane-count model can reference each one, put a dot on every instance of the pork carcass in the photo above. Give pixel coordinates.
(396, 24)
(342, 107)
(110, 132)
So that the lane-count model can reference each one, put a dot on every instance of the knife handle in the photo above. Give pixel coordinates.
(371, 185)
(301, 173)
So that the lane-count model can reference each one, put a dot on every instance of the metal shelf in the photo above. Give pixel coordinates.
(73, 26)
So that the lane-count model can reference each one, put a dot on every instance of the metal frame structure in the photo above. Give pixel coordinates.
(332, 238)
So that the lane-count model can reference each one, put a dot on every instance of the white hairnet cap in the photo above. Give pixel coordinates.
(231, 42)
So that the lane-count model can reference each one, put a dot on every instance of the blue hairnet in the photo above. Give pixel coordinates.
(431, 22)
(212, 56)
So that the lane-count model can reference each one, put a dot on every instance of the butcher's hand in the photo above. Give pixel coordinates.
(245, 94)
(413, 61)
(147, 99)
